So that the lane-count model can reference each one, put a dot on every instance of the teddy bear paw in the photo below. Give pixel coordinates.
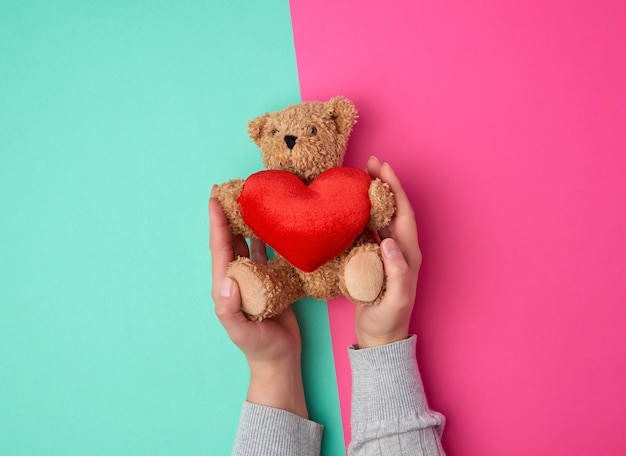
(363, 275)
(383, 205)
(264, 292)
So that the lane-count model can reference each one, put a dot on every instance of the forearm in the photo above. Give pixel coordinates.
(390, 414)
(278, 385)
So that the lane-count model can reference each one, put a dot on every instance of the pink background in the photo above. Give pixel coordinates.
(506, 121)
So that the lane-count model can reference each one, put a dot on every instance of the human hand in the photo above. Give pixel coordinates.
(389, 321)
(272, 347)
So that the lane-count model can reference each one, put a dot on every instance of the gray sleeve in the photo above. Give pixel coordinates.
(390, 415)
(270, 431)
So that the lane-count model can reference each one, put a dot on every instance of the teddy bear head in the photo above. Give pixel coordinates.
(305, 139)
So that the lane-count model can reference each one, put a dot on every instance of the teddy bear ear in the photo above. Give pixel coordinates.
(256, 126)
(343, 112)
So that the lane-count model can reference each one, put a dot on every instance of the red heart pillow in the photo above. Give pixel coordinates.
(307, 225)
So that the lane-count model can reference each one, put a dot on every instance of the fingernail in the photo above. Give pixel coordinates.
(375, 158)
(389, 247)
(213, 190)
(226, 287)
(389, 168)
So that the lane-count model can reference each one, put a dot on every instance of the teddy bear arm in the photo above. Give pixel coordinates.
(383, 205)
(227, 194)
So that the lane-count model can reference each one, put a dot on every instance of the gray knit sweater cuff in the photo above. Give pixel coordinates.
(386, 383)
(270, 431)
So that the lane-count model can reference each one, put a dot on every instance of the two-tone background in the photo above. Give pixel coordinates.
(505, 120)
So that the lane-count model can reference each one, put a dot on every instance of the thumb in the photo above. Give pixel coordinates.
(397, 272)
(228, 306)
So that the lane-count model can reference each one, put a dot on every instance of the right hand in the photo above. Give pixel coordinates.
(272, 347)
(389, 321)
(261, 342)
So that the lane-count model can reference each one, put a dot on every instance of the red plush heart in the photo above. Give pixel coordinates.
(307, 225)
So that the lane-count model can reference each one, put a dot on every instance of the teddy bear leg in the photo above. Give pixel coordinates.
(265, 290)
(362, 276)
(323, 283)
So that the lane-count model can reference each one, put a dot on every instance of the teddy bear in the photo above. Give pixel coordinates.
(318, 216)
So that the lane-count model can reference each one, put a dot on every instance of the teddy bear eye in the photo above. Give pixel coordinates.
(313, 130)
(274, 131)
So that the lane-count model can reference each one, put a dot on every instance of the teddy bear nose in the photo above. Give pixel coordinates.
(290, 141)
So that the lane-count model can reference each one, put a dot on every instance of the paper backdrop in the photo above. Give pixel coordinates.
(115, 121)
(504, 120)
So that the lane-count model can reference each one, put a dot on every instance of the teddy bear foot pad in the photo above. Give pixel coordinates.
(364, 276)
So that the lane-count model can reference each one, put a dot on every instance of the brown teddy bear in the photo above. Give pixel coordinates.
(316, 214)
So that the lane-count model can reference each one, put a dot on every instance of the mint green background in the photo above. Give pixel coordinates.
(115, 120)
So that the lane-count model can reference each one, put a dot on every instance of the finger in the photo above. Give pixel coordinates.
(258, 251)
(240, 246)
(400, 282)
(228, 309)
(373, 167)
(403, 205)
(387, 231)
(403, 228)
(219, 241)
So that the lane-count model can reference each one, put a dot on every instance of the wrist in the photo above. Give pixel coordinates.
(367, 341)
(278, 384)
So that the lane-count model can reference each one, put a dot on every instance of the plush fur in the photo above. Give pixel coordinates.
(318, 228)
